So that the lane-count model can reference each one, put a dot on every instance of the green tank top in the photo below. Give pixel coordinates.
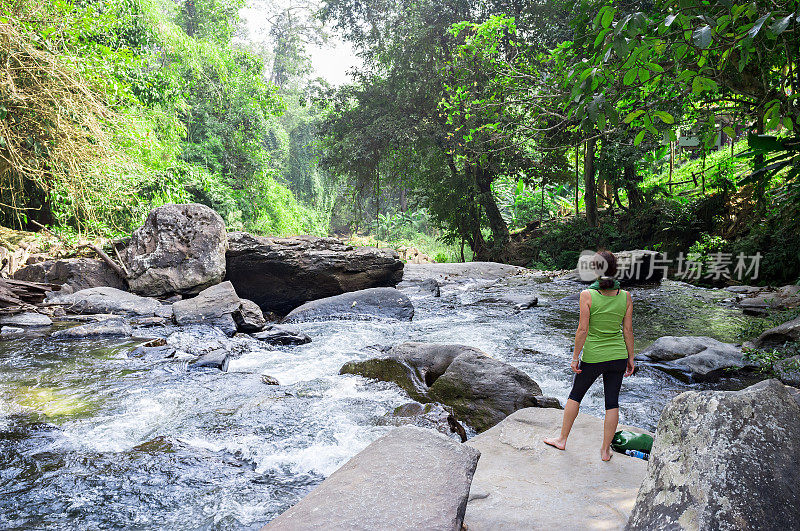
(605, 341)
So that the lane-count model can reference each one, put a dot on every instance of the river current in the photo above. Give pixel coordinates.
(91, 438)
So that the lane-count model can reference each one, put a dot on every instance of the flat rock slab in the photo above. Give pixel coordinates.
(409, 479)
(415, 273)
(521, 483)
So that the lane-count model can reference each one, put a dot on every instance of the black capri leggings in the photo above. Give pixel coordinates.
(612, 372)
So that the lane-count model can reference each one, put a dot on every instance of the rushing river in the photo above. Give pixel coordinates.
(91, 438)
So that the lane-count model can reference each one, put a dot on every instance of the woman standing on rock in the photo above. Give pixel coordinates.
(605, 335)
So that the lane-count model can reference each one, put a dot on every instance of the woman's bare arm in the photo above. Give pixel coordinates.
(627, 332)
(585, 303)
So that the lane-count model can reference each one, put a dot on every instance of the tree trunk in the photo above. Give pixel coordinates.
(634, 195)
(498, 226)
(590, 194)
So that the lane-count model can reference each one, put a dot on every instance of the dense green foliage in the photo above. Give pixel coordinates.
(178, 113)
(496, 114)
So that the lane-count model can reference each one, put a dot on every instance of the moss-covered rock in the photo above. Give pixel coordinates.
(480, 390)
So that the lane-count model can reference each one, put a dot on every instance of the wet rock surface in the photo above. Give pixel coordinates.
(480, 390)
(280, 274)
(179, 249)
(105, 300)
(73, 274)
(372, 303)
(214, 306)
(249, 317)
(724, 460)
(697, 357)
(26, 319)
(409, 479)
(104, 328)
(430, 416)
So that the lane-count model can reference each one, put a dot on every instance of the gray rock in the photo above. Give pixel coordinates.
(72, 274)
(432, 285)
(213, 306)
(179, 249)
(696, 357)
(280, 274)
(483, 391)
(216, 359)
(521, 484)
(105, 328)
(282, 335)
(517, 301)
(788, 331)
(11, 331)
(26, 319)
(744, 290)
(372, 303)
(724, 460)
(409, 479)
(788, 370)
(105, 300)
(249, 317)
(480, 390)
(153, 352)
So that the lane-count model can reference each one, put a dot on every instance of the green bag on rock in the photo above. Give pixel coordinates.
(627, 440)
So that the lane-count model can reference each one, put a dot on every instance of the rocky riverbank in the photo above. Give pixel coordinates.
(476, 352)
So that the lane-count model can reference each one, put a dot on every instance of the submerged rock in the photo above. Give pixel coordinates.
(72, 274)
(105, 300)
(280, 274)
(372, 303)
(481, 390)
(724, 460)
(106, 327)
(213, 306)
(282, 335)
(409, 479)
(179, 249)
(697, 357)
(26, 319)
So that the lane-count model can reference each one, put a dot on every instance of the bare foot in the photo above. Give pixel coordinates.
(556, 442)
(605, 453)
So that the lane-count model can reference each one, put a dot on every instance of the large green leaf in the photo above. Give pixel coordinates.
(703, 36)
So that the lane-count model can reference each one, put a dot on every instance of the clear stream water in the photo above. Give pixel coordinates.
(91, 438)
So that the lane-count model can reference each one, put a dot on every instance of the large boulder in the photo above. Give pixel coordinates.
(371, 303)
(775, 337)
(409, 479)
(105, 300)
(179, 249)
(72, 274)
(214, 306)
(481, 390)
(523, 484)
(724, 460)
(280, 274)
(695, 357)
